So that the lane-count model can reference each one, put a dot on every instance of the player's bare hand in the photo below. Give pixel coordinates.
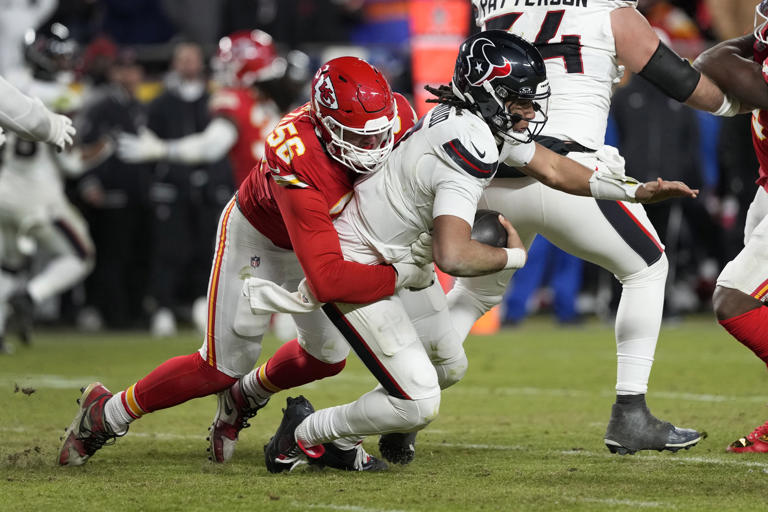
(513, 239)
(661, 190)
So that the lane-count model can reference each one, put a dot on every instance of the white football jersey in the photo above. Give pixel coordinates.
(576, 40)
(440, 167)
(30, 171)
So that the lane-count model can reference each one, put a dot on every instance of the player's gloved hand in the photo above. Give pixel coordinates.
(62, 132)
(414, 277)
(660, 190)
(144, 147)
(421, 250)
(306, 295)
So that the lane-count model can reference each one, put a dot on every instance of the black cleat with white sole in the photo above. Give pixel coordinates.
(283, 452)
(633, 428)
(354, 459)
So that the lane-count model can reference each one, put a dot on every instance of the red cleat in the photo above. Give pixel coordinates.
(232, 415)
(88, 431)
(754, 442)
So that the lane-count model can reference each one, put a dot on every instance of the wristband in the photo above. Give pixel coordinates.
(515, 258)
(729, 108)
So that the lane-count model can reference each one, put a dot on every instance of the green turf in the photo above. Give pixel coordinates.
(523, 431)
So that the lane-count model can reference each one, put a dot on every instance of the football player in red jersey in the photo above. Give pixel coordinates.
(248, 66)
(740, 67)
(278, 227)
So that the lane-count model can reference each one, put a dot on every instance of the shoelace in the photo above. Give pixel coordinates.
(361, 457)
(93, 440)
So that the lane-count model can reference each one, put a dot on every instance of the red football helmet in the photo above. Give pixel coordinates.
(761, 18)
(406, 116)
(355, 111)
(247, 57)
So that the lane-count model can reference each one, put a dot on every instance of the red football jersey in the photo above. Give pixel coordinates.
(253, 117)
(292, 197)
(760, 124)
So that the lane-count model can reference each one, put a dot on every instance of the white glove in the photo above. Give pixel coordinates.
(414, 277)
(62, 132)
(144, 147)
(269, 297)
(421, 250)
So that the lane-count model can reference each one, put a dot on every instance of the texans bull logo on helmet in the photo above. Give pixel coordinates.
(325, 94)
(485, 62)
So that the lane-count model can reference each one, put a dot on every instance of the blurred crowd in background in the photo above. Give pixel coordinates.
(153, 224)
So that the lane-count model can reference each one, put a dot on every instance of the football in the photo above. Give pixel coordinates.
(488, 230)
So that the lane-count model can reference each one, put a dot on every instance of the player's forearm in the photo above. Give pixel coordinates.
(731, 67)
(559, 172)
(208, 146)
(22, 114)
(458, 255)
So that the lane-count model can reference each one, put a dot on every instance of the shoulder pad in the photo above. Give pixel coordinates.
(466, 141)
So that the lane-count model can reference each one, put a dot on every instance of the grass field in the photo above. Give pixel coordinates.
(523, 431)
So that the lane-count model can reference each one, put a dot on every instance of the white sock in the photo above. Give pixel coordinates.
(59, 275)
(116, 416)
(252, 386)
(638, 321)
(376, 412)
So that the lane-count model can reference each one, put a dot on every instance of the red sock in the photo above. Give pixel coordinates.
(751, 328)
(177, 380)
(292, 366)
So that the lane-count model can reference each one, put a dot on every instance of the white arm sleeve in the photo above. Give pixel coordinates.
(21, 114)
(207, 146)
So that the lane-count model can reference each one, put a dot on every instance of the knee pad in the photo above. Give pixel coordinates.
(656, 272)
(416, 414)
(331, 349)
(451, 371)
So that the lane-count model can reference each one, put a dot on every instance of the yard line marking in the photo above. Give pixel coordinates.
(354, 508)
(47, 381)
(670, 458)
(534, 391)
(633, 503)
(531, 391)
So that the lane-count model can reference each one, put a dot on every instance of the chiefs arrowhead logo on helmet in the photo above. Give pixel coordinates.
(325, 94)
(485, 62)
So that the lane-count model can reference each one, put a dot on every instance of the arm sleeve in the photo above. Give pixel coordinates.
(207, 146)
(317, 247)
(24, 115)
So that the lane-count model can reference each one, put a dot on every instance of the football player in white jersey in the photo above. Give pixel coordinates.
(34, 211)
(581, 42)
(431, 183)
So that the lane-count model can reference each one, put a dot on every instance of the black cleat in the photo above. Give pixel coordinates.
(354, 459)
(398, 448)
(23, 311)
(283, 452)
(632, 428)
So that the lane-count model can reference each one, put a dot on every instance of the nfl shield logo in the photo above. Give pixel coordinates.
(255, 261)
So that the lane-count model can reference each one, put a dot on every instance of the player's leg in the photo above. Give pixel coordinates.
(429, 313)
(231, 347)
(621, 239)
(739, 302)
(319, 351)
(407, 399)
(64, 237)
